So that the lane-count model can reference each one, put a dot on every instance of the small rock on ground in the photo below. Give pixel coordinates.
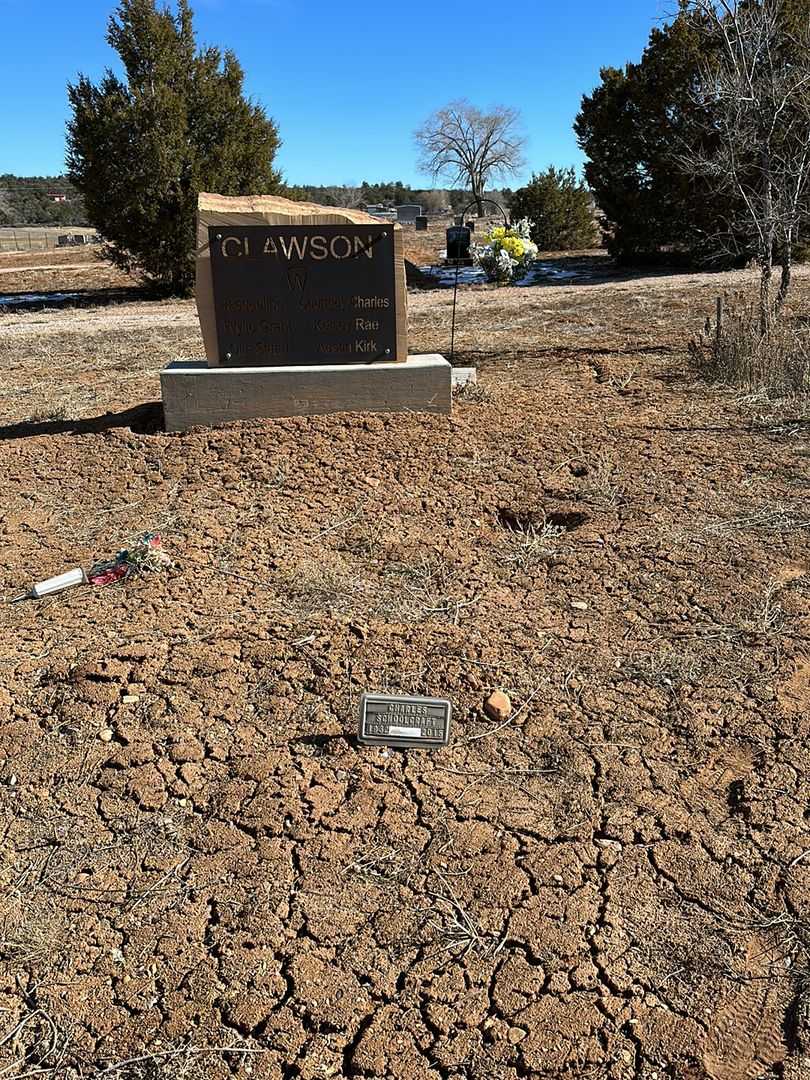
(498, 706)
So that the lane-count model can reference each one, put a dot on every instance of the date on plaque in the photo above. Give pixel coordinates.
(403, 721)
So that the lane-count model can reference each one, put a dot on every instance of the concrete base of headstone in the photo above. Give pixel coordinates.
(195, 394)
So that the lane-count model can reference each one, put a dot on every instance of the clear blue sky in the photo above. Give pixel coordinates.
(347, 81)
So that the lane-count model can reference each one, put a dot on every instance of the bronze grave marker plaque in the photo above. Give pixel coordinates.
(303, 294)
(404, 721)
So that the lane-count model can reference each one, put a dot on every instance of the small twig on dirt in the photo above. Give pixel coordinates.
(672, 975)
(798, 859)
(487, 774)
(318, 664)
(241, 577)
(476, 663)
(24, 1023)
(52, 1037)
(177, 1051)
(174, 870)
(338, 525)
(446, 606)
(121, 506)
(505, 723)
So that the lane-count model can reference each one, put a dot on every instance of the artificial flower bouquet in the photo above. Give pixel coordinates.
(507, 253)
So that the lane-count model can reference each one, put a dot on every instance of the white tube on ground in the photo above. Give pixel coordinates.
(58, 583)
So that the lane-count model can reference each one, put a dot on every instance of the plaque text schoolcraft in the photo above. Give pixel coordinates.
(404, 721)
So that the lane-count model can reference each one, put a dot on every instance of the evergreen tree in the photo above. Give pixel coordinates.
(642, 123)
(631, 128)
(561, 209)
(140, 150)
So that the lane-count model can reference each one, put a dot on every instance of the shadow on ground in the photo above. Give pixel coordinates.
(144, 419)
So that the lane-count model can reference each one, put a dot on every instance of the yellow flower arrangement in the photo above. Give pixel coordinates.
(514, 245)
(507, 252)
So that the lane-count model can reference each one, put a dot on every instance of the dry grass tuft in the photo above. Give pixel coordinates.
(431, 589)
(472, 393)
(379, 862)
(533, 544)
(599, 486)
(777, 518)
(667, 668)
(457, 929)
(738, 353)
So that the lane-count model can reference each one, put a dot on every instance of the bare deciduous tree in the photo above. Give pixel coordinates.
(433, 200)
(344, 195)
(756, 92)
(470, 147)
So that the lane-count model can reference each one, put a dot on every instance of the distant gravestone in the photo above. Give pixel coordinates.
(408, 212)
(458, 243)
(421, 224)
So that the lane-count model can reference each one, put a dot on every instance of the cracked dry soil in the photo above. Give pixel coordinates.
(616, 884)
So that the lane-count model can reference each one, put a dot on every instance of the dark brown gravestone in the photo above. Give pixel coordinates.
(458, 243)
(302, 311)
(304, 294)
(288, 283)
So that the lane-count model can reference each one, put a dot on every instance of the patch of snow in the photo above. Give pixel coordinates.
(6, 300)
(540, 273)
(445, 276)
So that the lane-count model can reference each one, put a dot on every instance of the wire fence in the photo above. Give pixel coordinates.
(45, 238)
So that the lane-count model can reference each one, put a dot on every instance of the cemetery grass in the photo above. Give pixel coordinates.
(35, 238)
(63, 270)
(205, 876)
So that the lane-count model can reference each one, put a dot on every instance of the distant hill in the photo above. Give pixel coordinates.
(40, 200)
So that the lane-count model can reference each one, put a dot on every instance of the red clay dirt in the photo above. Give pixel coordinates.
(205, 876)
